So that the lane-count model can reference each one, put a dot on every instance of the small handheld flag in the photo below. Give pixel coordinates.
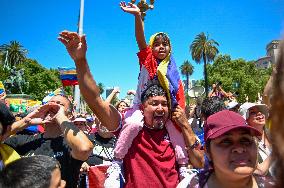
(68, 76)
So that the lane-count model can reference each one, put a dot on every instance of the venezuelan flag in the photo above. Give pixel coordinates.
(169, 78)
(68, 76)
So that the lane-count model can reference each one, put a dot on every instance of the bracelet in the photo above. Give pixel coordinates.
(193, 146)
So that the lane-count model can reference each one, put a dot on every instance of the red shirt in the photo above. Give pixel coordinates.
(150, 161)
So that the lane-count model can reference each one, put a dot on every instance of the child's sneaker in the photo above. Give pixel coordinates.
(113, 175)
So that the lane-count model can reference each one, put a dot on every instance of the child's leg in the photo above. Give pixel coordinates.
(178, 142)
(133, 124)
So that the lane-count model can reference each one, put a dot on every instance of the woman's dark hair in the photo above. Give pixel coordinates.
(210, 162)
(6, 117)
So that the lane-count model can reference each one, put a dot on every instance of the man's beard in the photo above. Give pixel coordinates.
(160, 125)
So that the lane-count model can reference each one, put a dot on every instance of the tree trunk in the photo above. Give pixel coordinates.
(205, 75)
(186, 94)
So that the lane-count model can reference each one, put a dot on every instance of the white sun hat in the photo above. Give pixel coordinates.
(244, 109)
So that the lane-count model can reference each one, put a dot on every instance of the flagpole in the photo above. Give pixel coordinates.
(80, 32)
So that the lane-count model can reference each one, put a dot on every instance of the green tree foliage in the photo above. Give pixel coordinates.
(13, 54)
(251, 80)
(3, 73)
(204, 49)
(115, 100)
(186, 70)
(41, 80)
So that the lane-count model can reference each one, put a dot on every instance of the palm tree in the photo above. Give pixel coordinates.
(14, 53)
(101, 87)
(203, 48)
(186, 70)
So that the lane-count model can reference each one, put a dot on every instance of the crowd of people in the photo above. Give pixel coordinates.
(157, 141)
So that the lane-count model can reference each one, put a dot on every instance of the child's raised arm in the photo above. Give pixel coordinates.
(139, 29)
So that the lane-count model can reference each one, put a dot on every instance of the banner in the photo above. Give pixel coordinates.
(22, 105)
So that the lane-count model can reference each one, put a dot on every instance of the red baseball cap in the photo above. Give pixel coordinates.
(225, 121)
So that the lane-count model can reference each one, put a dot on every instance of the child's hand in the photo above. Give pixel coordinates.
(84, 168)
(130, 8)
(179, 117)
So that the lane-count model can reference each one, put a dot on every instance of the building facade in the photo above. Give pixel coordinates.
(191, 83)
(272, 53)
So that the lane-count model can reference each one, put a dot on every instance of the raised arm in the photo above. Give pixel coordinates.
(139, 28)
(195, 154)
(210, 94)
(112, 94)
(77, 47)
(224, 93)
(37, 117)
(81, 146)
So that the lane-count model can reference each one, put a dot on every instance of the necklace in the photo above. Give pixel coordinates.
(152, 128)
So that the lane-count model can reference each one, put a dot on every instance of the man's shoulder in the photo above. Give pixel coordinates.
(22, 138)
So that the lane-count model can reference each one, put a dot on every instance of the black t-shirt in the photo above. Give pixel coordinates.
(29, 145)
(103, 149)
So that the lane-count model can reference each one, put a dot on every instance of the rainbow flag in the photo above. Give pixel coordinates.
(68, 76)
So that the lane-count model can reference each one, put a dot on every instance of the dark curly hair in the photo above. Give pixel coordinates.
(151, 91)
(212, 105)
(6, 117)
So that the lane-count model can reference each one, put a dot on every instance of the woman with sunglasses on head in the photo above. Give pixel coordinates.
(256, 116)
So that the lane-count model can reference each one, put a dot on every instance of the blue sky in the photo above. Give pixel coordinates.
(242, 28)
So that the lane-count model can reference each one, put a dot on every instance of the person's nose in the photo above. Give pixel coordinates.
(162, 46)
(259, 113)
(238, 148)
(160, 107)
